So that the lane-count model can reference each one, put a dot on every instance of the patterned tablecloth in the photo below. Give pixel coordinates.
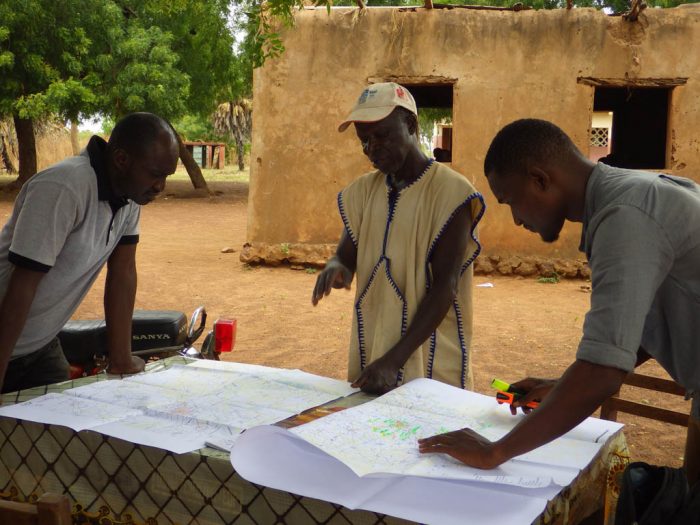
(115, 482)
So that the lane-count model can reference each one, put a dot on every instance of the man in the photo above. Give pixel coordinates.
(642, 240)
(68, 221)
(410, 236)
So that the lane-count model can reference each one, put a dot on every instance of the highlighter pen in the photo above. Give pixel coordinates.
(508, 394)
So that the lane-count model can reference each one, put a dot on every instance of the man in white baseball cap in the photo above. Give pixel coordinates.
(377, 102)
(410, 236)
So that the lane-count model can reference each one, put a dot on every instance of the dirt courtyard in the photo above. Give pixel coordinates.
(521, 327)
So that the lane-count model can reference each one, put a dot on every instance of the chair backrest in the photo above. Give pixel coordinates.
(612, 406)
(50, 509)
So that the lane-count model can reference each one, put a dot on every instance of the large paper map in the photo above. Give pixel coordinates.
(380, 437)
(184, 408)
(366, 457)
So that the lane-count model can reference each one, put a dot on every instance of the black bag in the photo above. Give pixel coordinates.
(652, 495)
(690, 513)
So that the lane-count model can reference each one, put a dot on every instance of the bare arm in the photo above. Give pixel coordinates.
(339, 269)
(446, 265)
(120, 294)
(583, 388)
(14, 310)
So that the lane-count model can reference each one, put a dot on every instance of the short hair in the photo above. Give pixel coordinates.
(137, 132)
(525, 142)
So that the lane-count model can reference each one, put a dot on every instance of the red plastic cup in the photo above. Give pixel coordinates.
(224, 335)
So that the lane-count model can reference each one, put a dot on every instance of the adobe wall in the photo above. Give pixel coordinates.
(506, 65)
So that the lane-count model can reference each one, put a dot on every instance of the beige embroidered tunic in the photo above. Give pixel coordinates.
(395, 233)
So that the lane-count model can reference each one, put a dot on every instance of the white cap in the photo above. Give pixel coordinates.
(377, 102)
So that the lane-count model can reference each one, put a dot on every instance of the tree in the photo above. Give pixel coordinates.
(203, 43)
(45, 59)
(235, 120)
(84, 57)
(143, 73)
(234, 117)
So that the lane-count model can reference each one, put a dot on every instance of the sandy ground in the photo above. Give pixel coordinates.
(521, 327)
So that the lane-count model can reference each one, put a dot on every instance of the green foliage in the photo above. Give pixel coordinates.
(202, 41)
(197, 127)
(247, 53)
(553, 279)
(142, 74)
(47, 54)
(427, 118)
(74, 57)
(108, 124)
(84, 136)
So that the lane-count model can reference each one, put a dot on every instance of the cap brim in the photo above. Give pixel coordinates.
(366, 115)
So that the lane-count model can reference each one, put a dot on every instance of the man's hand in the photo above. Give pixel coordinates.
(536, 390)
(334, 275)
(464, 445)
(378, 377)
(132, 366)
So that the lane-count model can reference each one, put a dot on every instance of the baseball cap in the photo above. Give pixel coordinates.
(377, 101)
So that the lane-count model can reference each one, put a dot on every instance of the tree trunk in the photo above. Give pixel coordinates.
(75, 144)
(8, 146)
(191, 166)
(5, 160)
(26, 146)
(240, 151)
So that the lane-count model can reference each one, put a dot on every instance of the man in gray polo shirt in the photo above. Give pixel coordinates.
(68, 221)
(641, 233)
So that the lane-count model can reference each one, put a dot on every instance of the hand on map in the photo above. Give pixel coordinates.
(464, 445)
(334, 275)
(537, 389)
(378, 377)
(132, 366)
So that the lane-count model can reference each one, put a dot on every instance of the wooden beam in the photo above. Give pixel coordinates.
(515, 7)
(411, 80)
(222, 156)
(614, 405)
(428, 4)
(654, 383)
(210, 156)
(633, 82)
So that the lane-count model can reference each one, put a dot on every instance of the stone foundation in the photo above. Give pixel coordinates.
(527, 266)
(316, 255)
(294, 254)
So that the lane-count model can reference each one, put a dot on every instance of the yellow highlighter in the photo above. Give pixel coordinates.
(507, 394)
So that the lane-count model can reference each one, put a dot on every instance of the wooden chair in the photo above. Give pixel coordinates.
(50, 509)
(612, 406)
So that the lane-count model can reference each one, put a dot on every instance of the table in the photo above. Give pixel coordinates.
(115, 482)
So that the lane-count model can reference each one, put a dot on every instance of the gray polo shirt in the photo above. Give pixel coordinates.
(66, 222)
(641, 233)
